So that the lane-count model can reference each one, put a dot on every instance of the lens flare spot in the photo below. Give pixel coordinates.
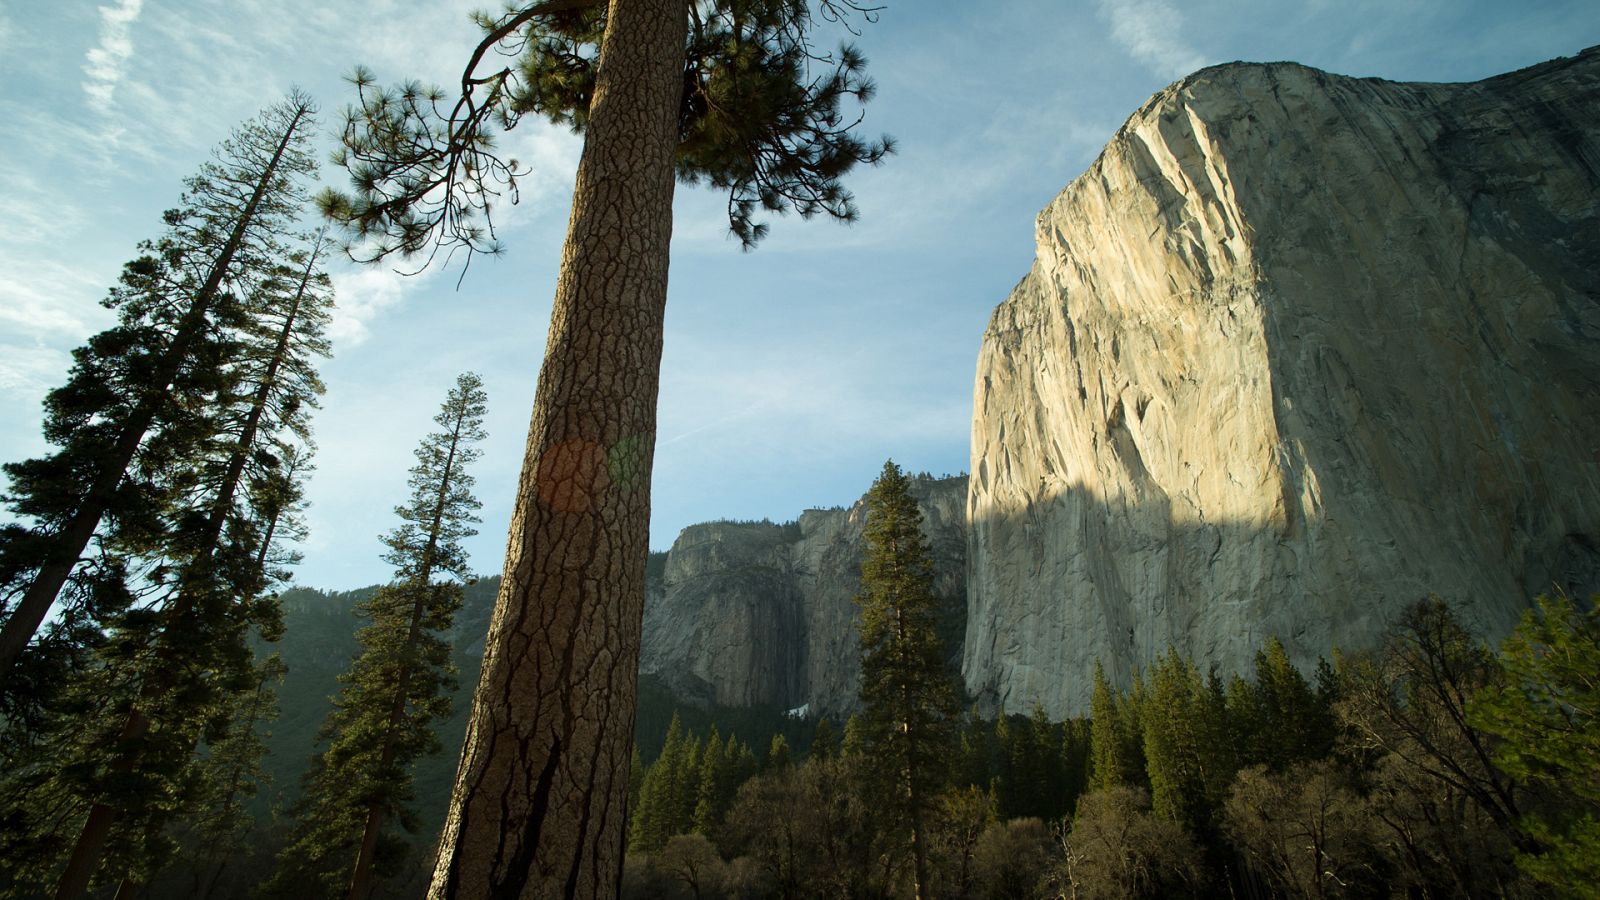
(625, 461)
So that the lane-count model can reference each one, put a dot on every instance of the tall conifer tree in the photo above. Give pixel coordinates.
(1107, 768)
(653, 820)
(229, 551)
(398, 686)
(910, 697)
(134, 407)
(211, 572)
(218, 434)
(714, 772)
(1184, 743)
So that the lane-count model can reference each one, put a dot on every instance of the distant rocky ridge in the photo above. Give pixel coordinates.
(754, 613)
(1296, 350)
(738, 615)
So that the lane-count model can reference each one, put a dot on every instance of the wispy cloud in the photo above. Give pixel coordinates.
(46, 308)
(32, 212)
(363, 294)
(104, 64)
(30, 369)
(549, 154)
(1150, 31)
(52, 300)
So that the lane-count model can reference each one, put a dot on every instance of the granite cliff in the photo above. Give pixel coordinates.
(1295, 351)
(753, 613)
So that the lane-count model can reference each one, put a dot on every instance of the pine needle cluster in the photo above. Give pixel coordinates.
(763, 116)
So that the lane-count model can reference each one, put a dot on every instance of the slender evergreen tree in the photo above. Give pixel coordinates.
(686, 786)
(1184, 747)
(653, 821)
(211, 571)
(824, 743)
(710, 804)
(909, 694)
(854, 742)
(1107, 768)
(399, 683)
(118, 748)
(778, 756)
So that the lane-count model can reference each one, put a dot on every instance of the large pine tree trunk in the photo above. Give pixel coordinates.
(539, 807)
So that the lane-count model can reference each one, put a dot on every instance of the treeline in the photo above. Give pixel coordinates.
(1431, 767)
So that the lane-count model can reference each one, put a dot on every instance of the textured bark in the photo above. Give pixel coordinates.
(539, 807)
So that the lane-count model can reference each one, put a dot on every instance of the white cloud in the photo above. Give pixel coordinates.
(361, 295)
(104, 63)
(549, 154)
(1150, 31)
(32, 212)
(52, 301)
(46, 308)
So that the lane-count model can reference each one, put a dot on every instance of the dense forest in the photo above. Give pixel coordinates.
(1430, 767)
(1399, 767)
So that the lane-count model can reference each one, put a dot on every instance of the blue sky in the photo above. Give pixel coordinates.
(791, 372)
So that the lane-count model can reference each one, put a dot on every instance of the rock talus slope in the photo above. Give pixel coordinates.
(1296, 350)
(758, 614)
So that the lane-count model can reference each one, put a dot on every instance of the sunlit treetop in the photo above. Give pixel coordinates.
(765, 115)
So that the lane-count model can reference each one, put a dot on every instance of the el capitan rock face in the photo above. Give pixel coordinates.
(1296, 350)
(753, 613)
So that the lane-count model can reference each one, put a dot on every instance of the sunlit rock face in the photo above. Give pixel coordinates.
(758, 614)
(1296, 350)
